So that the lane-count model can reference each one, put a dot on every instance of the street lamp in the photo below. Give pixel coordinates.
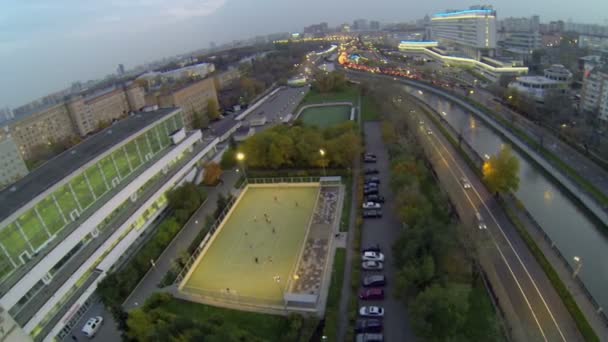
(240, 157)
(322, 153)
(579, 265)
(277, 280)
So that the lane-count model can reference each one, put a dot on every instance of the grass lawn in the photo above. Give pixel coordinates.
(333, 298)
(323, 117)
(247, 235)
(369, 109)
(349, 93)
(267, 327)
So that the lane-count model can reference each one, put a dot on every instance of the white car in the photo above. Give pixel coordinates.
(465, 183)
(371, 311)
(372, 205)
(371, 265)
(92, 326)
(429, 132)
(372, 256)
(480, 223)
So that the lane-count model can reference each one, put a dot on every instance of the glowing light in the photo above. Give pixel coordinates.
(240, 156)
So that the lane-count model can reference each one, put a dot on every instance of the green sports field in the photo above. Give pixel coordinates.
(325, 116)
(229, 267)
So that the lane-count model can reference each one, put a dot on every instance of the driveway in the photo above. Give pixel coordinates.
(384, 232)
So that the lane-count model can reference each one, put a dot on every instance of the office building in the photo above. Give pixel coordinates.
(374, 25)
(472, 32)
(68, 223)
(12, 166)
(520, 36)
(360, 25)
(192, 97)
(316, 30)
(593, 43)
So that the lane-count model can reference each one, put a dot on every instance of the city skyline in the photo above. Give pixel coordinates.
(47, 46)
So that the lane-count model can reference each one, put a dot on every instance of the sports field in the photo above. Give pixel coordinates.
(259, 242)
(325, 116)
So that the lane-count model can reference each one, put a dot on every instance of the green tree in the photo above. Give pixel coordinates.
(501, 171)
(184, 200)
(213, 110)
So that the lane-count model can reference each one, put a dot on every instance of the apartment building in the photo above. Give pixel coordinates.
(191, 97)
(595, 92)
(472, 31)
(68, 223)
(12, 166)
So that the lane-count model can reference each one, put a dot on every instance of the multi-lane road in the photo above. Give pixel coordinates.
(531, 305)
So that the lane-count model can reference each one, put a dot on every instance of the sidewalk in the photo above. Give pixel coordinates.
(148, 285)
(585, 167)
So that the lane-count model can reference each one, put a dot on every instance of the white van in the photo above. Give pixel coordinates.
(92, 326)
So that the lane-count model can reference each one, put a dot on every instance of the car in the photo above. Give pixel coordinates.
(371, 325)
(371, 265)
(370, 191)
(480, 223)
(371, 311)
(371, 171)
(372, 294)
(370, 185)
(369, 337)
(372, 213)
(91, 327)
(429, 132)
(376, 280)
(369, 154)
(372, 180)
(372, 248)
(374, 256)
(374, 198)
(371, 205)
(369, 159)
(465, 183)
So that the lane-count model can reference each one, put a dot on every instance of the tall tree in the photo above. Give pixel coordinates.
(438, 313)
(213, 110)
(213, 172)
(501, 171)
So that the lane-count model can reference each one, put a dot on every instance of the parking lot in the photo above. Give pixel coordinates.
(383, 232)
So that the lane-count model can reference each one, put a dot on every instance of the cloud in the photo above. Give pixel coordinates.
(190, 9)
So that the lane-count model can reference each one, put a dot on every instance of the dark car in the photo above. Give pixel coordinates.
(369, 159)
(367, 154)
(371, 171)
(372, 248)
(370, 186)
(368, 326)
(372, 294)
(372, 180)
(374, 198)
(370, 191)
(372, 213)
(377, 280)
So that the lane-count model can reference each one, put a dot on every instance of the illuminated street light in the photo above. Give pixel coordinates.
(579, 265)
(485, 155)
(420, 92)
(322, 153)
(444, 113)
(240, 157)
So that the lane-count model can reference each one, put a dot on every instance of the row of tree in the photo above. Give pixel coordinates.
(329, 82)
(299, 147)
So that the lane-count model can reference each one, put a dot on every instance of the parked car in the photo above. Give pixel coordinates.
(371, 265)
(369, 159)
(369, 154)
(371, 171)
(374, 256)
(373, 179)
(372, 205)
(376, 280)
(370, 185)
(373, 248)
(371, 311)
(372, 294)
(374, 198)
(372, 213)
(91, 327)
(370, 191)
(465, 183)
(371, 325)
(369, 337)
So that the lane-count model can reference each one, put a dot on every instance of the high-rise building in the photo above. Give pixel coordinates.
(12, 166)
(471, 31)
(360, 25)
(595, 92)
(120, 70)
(68, 223)
(374, 25)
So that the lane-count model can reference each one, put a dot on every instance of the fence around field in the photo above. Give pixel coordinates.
(265, 180)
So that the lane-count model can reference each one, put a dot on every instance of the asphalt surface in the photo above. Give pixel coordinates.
(531, 304)
(384, 232)
(279, 105)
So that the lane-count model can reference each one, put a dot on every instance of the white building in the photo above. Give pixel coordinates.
(12, 166)
(595, 92)
(69, 222)
(556, 78)
(472, 31)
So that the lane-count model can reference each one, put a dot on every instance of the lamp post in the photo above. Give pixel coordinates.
(240, 157)
(579, 265)
(322, 153)
(277, 280)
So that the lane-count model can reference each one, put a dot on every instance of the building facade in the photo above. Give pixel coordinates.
(192, 98)
(472, 31)
(67, 224)
(595, 92)
(12, 166)
(555, 79)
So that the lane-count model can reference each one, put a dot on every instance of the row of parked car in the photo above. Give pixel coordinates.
(369, 326)
(372, 205)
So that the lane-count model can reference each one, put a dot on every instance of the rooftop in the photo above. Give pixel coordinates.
(535, 80)
(37, 181)
(221, 127)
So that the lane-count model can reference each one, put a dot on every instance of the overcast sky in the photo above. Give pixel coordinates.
(45, 45)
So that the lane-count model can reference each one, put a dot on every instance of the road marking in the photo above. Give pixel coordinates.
(505, 237)
(493, 241)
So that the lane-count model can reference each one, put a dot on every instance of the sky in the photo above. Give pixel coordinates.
(45, 45)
